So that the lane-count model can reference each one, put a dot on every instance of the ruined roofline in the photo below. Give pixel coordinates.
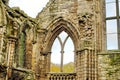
(17, 12)
(49, 3)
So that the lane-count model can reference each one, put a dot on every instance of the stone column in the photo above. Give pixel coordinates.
(86, 65)
(43, 65)
(10, 55)
(41, 55)
(48, 62)
(62, 56)
(80, 65)
(34, 56)
(2, 47)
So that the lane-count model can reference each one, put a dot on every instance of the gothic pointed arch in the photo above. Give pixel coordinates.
(62, 48)
(57, 26)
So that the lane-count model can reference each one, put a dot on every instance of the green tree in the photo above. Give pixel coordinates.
(69, 67)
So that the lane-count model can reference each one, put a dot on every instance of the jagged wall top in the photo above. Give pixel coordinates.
(68, 9)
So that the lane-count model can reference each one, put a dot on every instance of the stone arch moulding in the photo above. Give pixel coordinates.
(55, 28)
(2, 14)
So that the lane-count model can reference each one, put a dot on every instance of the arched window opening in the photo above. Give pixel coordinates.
(62, 57)
(21, 53)
(113, 24)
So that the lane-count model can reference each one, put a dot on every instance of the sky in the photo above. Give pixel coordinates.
(32, 8)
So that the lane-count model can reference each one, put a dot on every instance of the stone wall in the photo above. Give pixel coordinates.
(2, 32)
(15, 50)
(108, 65)
(87, 18)
(26, 42)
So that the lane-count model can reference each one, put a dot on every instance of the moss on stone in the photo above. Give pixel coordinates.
(22, 50)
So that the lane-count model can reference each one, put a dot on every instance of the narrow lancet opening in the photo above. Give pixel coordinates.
(62, 57)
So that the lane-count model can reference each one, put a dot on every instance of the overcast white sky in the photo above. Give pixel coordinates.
(31, 7)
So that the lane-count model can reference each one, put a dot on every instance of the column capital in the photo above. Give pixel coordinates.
(62, 51)
(12, 38)
(81, 50)
(84, 49)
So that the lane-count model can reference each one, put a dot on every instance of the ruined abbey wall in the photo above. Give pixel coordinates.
(25, 43)
(84, 21)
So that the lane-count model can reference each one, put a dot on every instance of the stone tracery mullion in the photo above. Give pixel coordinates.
(60, 41)
(65, 41)
(62, 44)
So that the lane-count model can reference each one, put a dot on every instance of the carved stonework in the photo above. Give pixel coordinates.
(86, 27)
(26, 42)
(15, 29)
(2, 44)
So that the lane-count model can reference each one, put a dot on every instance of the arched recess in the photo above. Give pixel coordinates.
(54, 30)
(56, 27)
(25, 46)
